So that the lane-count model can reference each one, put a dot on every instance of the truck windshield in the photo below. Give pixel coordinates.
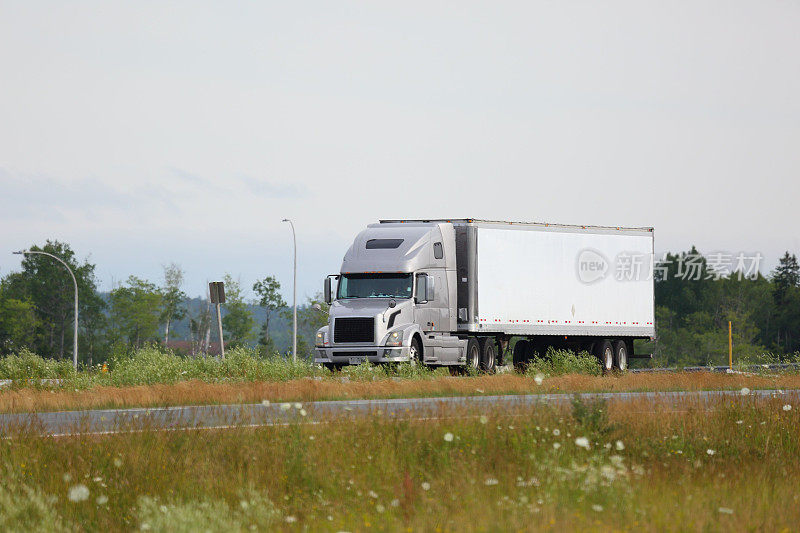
(375, 286)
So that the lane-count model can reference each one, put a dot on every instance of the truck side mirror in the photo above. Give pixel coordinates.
(327, 291)
(421, 295)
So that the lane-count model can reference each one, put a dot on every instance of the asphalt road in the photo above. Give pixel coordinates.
(62, 423)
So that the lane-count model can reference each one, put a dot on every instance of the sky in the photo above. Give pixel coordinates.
(147, 133)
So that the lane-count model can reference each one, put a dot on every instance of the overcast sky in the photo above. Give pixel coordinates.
(146, 133)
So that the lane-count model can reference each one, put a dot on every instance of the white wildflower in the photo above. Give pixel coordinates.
(538, 379)
(490, 481)
(787, 407)
(380, 508)
(619, 446)
(79, 493)
(582, 442)
(118, 462)
(745, 391)
(597, 508)
(97, 479)
(66, 477)
(710, 451)
(739, 422)
(448, 437)
(556, 432)
(426, 485)
(484, 419)
(556, 445)
(102, 499)
(290, 519)
(725, 510)
(286, 406)
(303, 412)
(395, 503)
(298, 405)
(373, 494)
(265, 403)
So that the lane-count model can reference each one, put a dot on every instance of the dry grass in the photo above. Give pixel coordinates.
(499, 473)
(307, 389)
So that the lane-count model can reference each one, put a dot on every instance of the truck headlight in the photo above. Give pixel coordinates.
(395, 339)
(320, 339)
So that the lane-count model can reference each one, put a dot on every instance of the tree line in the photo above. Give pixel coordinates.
(36, 312)
(692, 312)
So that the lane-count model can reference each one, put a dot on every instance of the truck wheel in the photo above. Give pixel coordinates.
(333, 367)
(488, 355)
(605, 352)
(520, 356)
(473, 355)
(620, 355)
(415, 352)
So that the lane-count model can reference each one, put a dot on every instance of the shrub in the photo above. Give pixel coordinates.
(27, 365)
(558, 362)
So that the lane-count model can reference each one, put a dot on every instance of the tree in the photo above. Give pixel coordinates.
(47, 286)
(135, 311)
(238, 320)
(172, 298)
(785, 277)
(786, 293)
(18, 323)
(268, 290)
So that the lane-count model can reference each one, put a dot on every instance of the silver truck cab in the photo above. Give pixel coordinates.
(394, 299)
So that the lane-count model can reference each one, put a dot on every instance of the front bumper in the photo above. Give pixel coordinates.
(358, 354)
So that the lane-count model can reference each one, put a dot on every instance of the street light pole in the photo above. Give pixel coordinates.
(294, 296)
(75, 284)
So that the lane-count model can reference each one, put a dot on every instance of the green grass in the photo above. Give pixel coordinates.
(153, 364)
(559, 362)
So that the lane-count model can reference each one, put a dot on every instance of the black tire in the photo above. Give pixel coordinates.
(488, 355)
(620, 356)
(415, 351)
(473, 355)
(456, 370)
(521, 355)
(333, 367)
(604, 351)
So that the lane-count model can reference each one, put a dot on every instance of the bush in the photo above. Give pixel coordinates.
(27, 365)
(558, 362)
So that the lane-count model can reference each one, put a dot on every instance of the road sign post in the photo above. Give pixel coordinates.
(216, 291)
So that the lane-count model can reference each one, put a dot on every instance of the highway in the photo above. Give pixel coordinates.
(106, 421)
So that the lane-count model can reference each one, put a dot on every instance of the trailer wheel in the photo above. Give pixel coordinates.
(605, 352)
(488, 355)
(473, 355)
(620, 355)
(521, 356)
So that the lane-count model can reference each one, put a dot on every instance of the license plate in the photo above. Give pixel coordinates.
(357, 360)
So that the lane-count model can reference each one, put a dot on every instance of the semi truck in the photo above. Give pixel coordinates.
(469, 294)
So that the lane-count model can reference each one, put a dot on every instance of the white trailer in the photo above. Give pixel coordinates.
(456, 292)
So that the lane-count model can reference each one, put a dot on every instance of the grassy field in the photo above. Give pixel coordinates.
(690, 466)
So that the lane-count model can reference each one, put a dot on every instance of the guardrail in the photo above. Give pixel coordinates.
(9, 382)
(722, 369)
